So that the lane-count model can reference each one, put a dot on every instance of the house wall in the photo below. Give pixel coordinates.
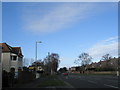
(73, 69)
(14, 64)
(20, 62)
(6, 61)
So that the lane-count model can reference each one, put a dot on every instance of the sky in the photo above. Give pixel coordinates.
(60, 0)
(66, 28)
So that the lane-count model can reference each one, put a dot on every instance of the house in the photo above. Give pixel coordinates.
(38, 65)
(92, 66)
(75, 69)
(111, 64)
(72, 69)
(11, 57)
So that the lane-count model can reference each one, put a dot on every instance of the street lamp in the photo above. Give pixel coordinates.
(36, 49)
(37, 75)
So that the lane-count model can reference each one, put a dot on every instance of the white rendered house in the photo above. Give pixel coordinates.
(11, 57)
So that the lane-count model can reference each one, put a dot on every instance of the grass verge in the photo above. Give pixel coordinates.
(52, 83)
(92, 74)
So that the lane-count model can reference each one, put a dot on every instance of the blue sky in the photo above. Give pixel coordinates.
(64, 28)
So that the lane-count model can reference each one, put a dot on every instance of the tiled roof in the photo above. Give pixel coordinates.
(16, 49)
(7, 48)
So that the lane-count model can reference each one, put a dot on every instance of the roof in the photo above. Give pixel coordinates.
(5, 47)
(8, 48)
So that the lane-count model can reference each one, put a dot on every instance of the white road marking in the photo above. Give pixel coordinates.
(111, 86)
(113, 80)
(92, 82)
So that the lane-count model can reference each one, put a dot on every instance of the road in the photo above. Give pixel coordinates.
(91, 81)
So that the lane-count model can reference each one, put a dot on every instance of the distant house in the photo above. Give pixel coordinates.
(38, 65)
(75, 69)
(111, 64)
(72, 69)
(11, 57)
(93, 65)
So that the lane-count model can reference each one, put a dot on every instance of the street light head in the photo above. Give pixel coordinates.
(39, 42)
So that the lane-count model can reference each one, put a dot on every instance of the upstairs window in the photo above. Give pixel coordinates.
(13, 58)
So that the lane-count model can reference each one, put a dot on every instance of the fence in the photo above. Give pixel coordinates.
(24, 76)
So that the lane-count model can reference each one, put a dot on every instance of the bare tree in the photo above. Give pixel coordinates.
(106, 57)
(77, 62)
(84, 59)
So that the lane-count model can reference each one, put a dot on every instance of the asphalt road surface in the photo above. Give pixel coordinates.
(91, 81)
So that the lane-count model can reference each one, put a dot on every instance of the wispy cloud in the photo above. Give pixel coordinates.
(55, 18)
(109, 45)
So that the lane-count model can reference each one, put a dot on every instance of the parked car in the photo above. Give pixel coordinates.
(65, 74)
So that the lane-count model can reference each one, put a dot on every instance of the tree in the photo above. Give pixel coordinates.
(106, 57)
(62, 70)
(77, 62)
(84, 59)
(54, 62)
(51, 63)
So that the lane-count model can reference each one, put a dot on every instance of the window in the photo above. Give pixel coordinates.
(13, 58)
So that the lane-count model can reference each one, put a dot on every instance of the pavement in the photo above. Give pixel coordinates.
(32, 84)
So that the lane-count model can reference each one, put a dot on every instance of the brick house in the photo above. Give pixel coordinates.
(108, 64)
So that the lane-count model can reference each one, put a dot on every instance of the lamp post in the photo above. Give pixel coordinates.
(37, 75)
(36, 50)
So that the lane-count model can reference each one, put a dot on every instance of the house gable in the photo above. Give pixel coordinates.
(7, 48)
